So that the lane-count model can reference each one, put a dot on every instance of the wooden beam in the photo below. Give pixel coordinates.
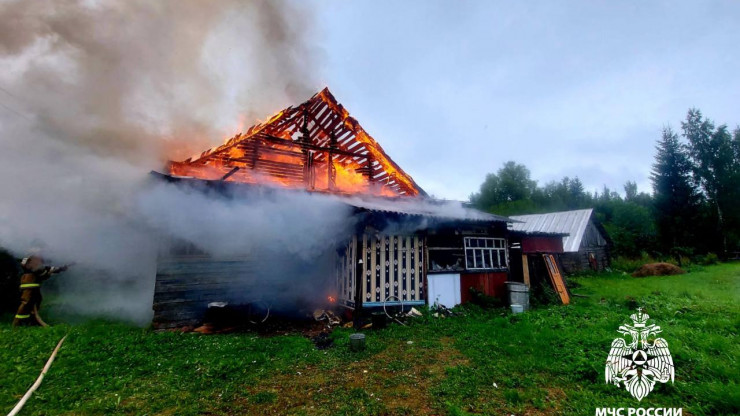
(231, 172)
(359, 279)
(525, 269)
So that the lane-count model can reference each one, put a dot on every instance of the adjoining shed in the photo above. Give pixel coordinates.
(527, 251)
(585, 242)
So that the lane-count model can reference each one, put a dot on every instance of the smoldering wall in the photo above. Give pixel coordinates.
(95, 94)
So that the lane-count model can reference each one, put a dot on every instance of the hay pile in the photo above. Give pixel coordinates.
(657, 269)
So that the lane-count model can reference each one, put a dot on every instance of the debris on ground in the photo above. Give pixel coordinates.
(209, 328)
(326, 316)
(657, 269)
(413, 312)
(441, 311)
(322, 341)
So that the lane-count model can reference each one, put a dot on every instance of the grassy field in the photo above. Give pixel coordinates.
(548, 361)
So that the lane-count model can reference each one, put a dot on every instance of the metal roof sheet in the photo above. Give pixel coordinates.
(573, 223)
(420, 206)
(443, 209)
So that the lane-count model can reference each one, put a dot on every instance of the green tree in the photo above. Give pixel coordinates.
(631, 194)
(565, 195)
(676, 199)
(630, 191)
(716, 164)
(512, 183)
(631, 228)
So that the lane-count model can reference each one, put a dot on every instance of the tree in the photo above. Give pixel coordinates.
(716, 169)
(630, 191)
(510, 184)
(567, 194)
(631, 228)
(632, 195)
(676, 199)
(510, 191)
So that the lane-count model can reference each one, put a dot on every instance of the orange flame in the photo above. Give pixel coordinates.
(288, 164)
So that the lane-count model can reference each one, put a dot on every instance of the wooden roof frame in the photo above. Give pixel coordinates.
(319, 130)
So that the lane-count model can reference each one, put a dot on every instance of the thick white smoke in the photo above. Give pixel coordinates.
(95, 94)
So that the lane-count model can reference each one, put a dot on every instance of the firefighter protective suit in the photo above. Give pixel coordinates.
(34, 272)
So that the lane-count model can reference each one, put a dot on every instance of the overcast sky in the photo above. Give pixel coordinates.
(452, 90)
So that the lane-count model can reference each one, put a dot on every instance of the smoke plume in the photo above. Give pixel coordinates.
(95, 94)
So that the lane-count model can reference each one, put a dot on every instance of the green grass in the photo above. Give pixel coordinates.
(548, 361)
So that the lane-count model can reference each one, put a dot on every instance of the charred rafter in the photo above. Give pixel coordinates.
(318, 134)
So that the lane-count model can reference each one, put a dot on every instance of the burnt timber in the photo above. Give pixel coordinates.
(302, 147)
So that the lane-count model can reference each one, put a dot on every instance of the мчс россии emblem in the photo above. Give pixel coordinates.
(643, 361)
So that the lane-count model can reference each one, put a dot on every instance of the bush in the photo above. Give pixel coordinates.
(484, 301)
(682, 255)
(678, 258)
(543, 294)
(707, 260)
(630, 264)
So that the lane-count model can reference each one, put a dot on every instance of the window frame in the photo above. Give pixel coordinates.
(485, 249)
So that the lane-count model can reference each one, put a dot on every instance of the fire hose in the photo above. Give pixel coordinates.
(36, 385)
(386, 311)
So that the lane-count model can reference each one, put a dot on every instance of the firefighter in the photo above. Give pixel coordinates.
(34, 272)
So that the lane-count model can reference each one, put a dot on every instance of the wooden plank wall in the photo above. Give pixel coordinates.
(185, 285)
(541, 244)
(345, 274)
(578, 262)
(393, 266)
(491, 284)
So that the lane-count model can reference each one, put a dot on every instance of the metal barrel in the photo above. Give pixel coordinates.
(518, 294)
(357, 342)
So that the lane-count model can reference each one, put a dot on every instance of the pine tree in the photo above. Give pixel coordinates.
(676, 198)
(717, 170)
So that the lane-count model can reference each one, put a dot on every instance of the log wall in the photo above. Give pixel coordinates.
(185, 285)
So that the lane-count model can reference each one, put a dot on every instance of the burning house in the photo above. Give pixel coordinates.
(400, 248)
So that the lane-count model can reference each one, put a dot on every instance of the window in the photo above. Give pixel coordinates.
(485, 253)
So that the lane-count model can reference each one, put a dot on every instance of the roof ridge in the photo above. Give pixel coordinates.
(389, 169)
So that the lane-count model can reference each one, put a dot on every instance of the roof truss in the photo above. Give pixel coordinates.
(316, 145)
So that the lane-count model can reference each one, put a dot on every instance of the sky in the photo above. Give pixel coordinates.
(453, 90)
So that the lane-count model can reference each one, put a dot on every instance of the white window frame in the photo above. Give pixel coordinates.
(486, 247)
